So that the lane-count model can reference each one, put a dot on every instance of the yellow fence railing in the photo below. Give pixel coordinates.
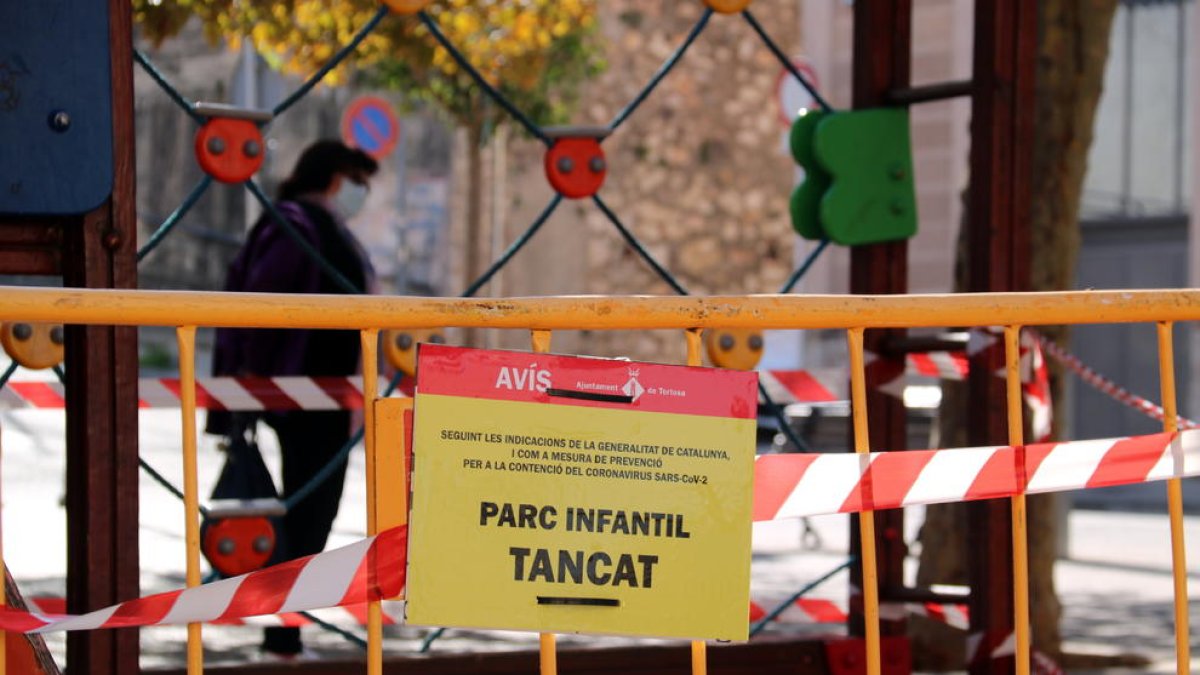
(541, 316)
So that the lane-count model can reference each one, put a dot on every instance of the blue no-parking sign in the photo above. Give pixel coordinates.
(371, 125)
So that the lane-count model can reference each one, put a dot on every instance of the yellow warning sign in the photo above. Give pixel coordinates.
(563, 494)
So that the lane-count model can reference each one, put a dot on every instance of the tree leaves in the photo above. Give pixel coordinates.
(536, 52)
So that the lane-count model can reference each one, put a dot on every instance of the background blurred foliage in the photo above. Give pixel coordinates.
(537, 52)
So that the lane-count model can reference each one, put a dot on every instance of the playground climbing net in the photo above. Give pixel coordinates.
(230, 149)
(237, 162)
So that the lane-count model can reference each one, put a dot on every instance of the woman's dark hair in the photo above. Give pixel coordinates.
(320, 162)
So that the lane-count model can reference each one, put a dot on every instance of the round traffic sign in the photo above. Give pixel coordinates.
(371, 125)
(790, 94)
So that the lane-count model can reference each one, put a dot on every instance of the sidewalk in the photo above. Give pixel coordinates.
(1116, 588)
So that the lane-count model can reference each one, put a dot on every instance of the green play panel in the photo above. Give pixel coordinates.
(858, 186)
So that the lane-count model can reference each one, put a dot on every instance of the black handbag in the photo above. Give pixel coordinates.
(244, 492)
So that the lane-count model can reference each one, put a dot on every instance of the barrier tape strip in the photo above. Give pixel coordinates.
(976, 652)
(794, 486)
(943, 365)
(1107, 386)
(892, 374)
(1035, 387)
(803, 610)
(324, 393)
(349, 614)
(797, 386)
(816, 610)
(955, 366)
(786, 486)
(953, 615)
(372, 569)
(345, 393)
(216, 393)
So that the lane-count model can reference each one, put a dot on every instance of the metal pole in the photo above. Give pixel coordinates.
(695, 358)
(1166, 374)
(1020, 537)
(866, 524)
(370, 368)
(186, 336)
(547, 644)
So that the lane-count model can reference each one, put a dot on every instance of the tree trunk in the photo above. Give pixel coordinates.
(1075, 39)
(1072, 56)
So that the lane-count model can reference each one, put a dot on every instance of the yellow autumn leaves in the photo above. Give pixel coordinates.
(507, 40)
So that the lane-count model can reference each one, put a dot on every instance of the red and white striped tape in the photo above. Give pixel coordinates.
(955, 366)
(345, 393)
(347, 615)
(803, 610)
(976, 648)
(1035, 387)
(372, 569)
(1105, 385)
(1041, 662)
(793, 486)
(327, 393)
(891, 376)
(953, 615)
(942, 365)
(786, 486)
(817, 610)
(216, 393)
(797, 386)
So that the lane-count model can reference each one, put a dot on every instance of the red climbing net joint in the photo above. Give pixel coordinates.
(229, 144)
(574, 162)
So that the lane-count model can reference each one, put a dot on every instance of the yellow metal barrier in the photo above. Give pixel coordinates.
(866, 519)
(694, 358)
(191, 495)
(1016, 437)
(255, 310)
(188, 310)
(540, 342)
(1166, 377)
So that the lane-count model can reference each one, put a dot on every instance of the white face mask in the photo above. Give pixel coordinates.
(350, 198)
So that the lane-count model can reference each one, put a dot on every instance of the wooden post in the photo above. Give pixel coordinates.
(882, 46)
(998, 253)
(101, 397)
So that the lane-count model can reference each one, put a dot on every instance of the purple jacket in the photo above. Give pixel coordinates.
(272, 262)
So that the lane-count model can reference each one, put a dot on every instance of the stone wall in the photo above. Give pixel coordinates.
(698, 173)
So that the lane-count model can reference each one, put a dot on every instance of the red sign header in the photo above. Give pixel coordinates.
(584, 381)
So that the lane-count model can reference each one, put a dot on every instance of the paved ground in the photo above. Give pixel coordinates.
(1116, 586)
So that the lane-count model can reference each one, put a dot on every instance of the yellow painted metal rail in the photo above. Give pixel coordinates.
(173, 308)
(188, 310)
